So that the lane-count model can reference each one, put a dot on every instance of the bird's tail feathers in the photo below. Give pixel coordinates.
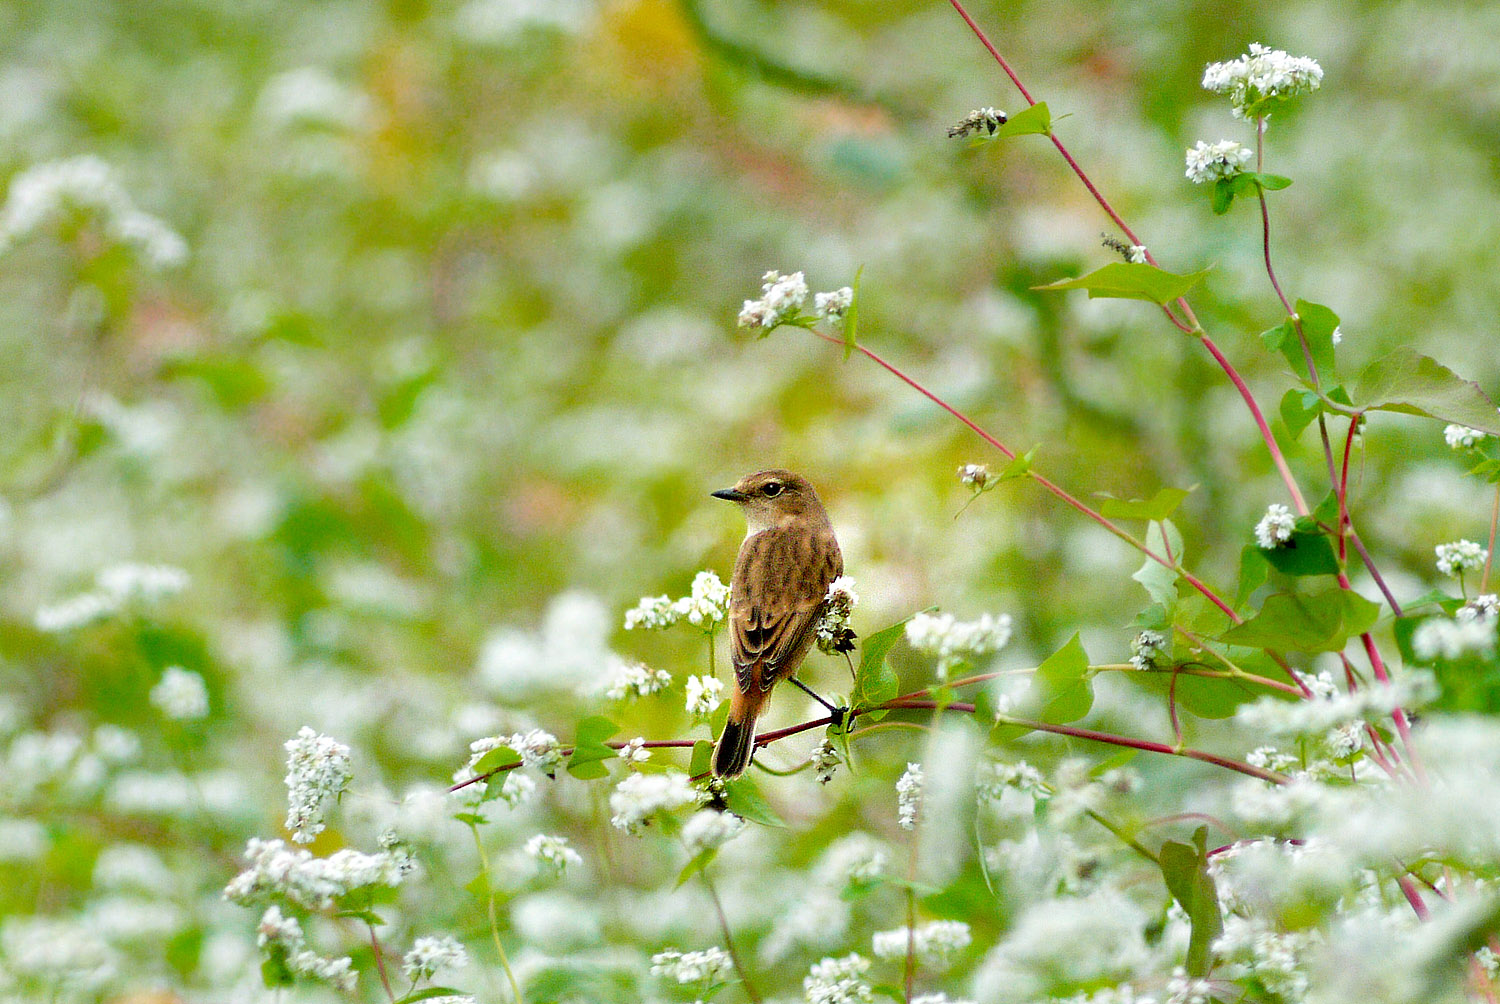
(735, 746)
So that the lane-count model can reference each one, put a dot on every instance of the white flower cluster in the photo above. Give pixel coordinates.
(69, 957)
(935, 942)
(1441, 638)
(709, 828)
(838, 981)
(1461, 437)
(954, 641)
(635, 751)
(181, 694)
(1021, 776)
(704, 695)
(986, 120)
(282, 936)
(1275, 527)
(705, 606)
(1136, 254)
(537, 748)
(833, 627)
(834, 305)
(855, 859)
(640, 796)
(311, 96)
(292, 873)
(116, 587)
(976, 476)
(825, 760)
(635, 679)
(1270, 716)
(1147, 648)
(1454, 558)
(47, 192)
(909, 796)
(430, 953)
(1211, 162)
(552, 852)
(1261, 76)
(782, 296)
(317, 773)
(708, 966)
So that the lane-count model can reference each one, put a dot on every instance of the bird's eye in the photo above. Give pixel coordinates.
(771, 490)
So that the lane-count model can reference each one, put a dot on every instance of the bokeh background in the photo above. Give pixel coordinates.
(441, 373)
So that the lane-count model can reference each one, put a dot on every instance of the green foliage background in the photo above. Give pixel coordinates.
(457, 335)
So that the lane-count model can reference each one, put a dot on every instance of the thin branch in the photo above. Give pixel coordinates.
(734, 956)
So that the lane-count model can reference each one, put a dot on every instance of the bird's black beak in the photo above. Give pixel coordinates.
(729, 495)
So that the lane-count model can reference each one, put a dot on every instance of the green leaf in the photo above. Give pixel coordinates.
(1253, 573)
(1184, 867)
(876, 682)
(1159, 506)
(1320, 622)
(1489, 470)
(1272, 182)
(496, 759)
(887, 990)
(1327, 512)
(1413, 384)
(369, 917)
(1160, 581)
(1306, 553)
(1318, 325)
(1247, 183)
(274, 971)
(1036, 120)
(745, 800)
(1221, 196)
(1060, 692)
(478, 886)
(1132, 281)
(589, 751)
(698, 862)
(851, 317)
(702, 759)
(1019, 466)
(1298, 410)
(427, 993)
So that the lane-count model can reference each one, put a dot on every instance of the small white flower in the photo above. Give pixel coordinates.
(833, 633)
(635, 751)
(1137, 254)
(909, 796)
(1461, 437)
(824, 760)
(1347, 739)
(838, 981)
(1454, 558)
(1337, 337)
(1147, 648)
(1483, 605)
(651, 612)
(1261, 77)
(708, 603)
(635, 679)
(429, 954)
(1441, 638)
(708, 966)
(704, 695)
(552, 852)
(954, 641)
(640, 796)
(935, 943)
(181, 694)
(781, 296)
(833, 306)
(317, 774)
(976, 476)
(1223, 159)
(1275, 527)
(709, 828)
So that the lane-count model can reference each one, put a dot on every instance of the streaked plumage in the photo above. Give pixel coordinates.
(776, 597)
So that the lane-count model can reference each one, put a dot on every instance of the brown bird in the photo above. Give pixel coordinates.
(776, 598)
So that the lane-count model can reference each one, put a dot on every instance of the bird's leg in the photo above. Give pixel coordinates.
(837, 713)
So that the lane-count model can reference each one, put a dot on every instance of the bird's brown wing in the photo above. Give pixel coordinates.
(775, 603)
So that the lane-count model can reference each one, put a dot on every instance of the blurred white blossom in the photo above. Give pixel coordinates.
(181, 694)
(954, 641)
(1461, 437)
(838, 981)
(1453, 559)
(707, 829)
(935, 943)
(909, 796)
(552, 852)
(704, 695)
(46, 193)
(318, 772)
(431, 953)
(640, 796)
(710, 965)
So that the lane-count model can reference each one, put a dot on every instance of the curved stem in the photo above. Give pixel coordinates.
(734, 956)
(1057, 490)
